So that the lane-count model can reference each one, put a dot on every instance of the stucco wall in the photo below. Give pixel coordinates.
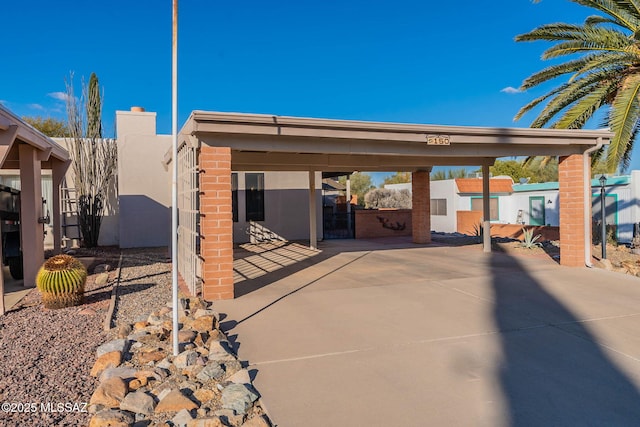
(144, 185)
(286, 205)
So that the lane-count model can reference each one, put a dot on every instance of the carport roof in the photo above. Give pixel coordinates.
(14, 129)
(267, 142)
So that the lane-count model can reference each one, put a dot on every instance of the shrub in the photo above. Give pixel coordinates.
(387, 198)
(530, 241)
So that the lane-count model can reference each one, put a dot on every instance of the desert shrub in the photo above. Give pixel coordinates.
(387, 198)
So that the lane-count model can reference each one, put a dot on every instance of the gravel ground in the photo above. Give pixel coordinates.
(145, 284)
(46, 355)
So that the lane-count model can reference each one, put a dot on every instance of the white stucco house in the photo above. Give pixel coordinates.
(532, 204)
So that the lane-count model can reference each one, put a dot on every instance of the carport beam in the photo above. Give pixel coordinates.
(313, 233)
(486, 210)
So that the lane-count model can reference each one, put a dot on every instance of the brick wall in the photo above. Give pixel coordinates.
(216, 223)
(383, 223)
(572, 232)
(421, 202)
(467, 220)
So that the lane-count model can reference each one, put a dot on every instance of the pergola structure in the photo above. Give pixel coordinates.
(252, 142)
(25, 149)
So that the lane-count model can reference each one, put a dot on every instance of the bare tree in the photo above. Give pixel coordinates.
(94, 159)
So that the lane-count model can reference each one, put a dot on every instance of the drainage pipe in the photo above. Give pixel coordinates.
(587, 200)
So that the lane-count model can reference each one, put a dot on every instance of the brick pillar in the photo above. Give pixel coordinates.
(572, 201)
(421, 211)
(216, 223)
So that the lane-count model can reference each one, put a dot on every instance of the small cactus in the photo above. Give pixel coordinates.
(61, 281)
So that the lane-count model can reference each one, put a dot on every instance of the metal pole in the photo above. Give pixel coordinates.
(174, 179)
(603, 215)
(349, 227)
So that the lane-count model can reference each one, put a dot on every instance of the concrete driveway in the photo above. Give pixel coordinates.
(387, 333)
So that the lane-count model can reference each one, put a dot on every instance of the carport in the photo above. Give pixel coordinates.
(252, 142)
(25, 149)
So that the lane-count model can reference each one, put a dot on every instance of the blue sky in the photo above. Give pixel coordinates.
(402, 61)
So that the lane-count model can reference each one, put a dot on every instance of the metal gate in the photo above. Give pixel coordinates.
(189, 261)
(339, 225)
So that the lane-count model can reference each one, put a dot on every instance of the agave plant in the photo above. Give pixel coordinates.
(530, 241)
(61, 281)
(602, 71)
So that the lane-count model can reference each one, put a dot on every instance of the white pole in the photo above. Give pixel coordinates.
(174, 180)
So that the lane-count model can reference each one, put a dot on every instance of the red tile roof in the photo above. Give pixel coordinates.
(474, 185)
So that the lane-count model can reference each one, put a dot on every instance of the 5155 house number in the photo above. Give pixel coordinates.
(438, 140)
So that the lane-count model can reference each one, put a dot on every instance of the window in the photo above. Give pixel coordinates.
(254, 196)
(477, 205)
(439, 207)
(234, 196)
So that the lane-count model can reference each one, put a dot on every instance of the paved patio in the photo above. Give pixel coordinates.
(380, 333)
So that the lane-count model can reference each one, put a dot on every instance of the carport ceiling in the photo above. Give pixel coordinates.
(264, 142)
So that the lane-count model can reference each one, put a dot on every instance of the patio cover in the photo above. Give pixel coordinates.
(256, 142)
(24, 148)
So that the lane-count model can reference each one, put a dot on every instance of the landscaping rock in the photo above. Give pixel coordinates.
(205, 312)
(186, 358)
(138, 402)
(102, 279)
(204, 395)
(206, 422)
(203, 323)
(257, 422)
(120, 345)
(111, 418)
(186, 335)
(240, 377)
(101, 268)
(107, 360)
(229, 417)
(175, 401)
(238, 397)
(109, 393)
(123, 372)
(213, 371)
(123, 331)
(182, 418)
(151, 356)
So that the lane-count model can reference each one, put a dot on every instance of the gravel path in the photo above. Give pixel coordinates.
(145, 284)
(46, 355)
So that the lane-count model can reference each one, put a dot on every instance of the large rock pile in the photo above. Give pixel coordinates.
(143, 384)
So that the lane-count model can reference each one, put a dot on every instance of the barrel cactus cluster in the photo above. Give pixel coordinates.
(61, 281)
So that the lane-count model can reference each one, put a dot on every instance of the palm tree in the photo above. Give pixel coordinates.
(603, 70)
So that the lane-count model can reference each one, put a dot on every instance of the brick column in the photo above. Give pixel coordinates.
(572, 201)
(216, 223)
(421, 210)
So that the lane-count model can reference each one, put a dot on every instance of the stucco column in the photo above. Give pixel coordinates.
(313, 218)
(572, 202)
(31, 232)
(216, 223)
(421, 210)
(486, 209)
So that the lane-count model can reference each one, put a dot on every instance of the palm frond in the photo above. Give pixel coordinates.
(597, 20)
(569, 94)
(619, 10)
(592, 40)
(583, 109)
(623, 120)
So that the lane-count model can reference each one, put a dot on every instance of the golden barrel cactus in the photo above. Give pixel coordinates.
(61, 281)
